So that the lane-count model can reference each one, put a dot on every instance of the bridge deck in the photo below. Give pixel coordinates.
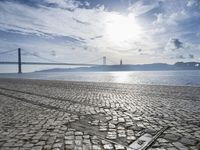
(47, 63)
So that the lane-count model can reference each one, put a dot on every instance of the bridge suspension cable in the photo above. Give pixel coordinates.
(6, 52)
(38, 56)
(92, 61)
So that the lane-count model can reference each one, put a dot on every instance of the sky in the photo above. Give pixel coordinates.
(83, 31)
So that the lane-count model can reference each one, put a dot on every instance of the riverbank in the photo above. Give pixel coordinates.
(43, 114)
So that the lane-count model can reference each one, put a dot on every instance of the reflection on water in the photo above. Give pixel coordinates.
(133, 77)
(121, 77)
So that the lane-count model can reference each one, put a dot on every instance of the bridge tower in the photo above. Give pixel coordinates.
(104, 60)
(19, 61)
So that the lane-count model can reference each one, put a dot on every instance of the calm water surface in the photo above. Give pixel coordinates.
(189, 78)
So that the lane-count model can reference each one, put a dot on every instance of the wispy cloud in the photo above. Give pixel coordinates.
(65, 4)
(140, 8)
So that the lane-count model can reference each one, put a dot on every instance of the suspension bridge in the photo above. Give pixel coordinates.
(50, 62)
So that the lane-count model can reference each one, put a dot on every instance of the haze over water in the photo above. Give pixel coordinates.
(180, 78)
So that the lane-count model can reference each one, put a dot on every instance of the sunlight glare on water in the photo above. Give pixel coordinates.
(122, 77)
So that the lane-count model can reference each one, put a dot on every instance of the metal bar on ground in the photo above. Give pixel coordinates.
(146, 140)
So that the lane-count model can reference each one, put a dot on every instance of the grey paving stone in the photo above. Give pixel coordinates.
(188, 141)
(108, 146)
(180, 146)
(36, 148)
(172, 137)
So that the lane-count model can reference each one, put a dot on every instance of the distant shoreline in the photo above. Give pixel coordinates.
(143, 67)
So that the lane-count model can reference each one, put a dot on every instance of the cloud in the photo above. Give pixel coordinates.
(159, 19)
(191, 3)
(176, 49)
(43, 20)
(81, 22)
(174, 44)
(65, 4)
(140, 8)
(158, 30)
(53, 53)
(170, 19)
(96, 37)
(191, 56)
(87, 3)
(176, 17)
(180, 57)
(35, 54)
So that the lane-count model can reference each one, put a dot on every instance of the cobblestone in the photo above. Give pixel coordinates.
(38, 114)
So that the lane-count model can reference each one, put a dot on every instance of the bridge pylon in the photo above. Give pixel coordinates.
(19, 61)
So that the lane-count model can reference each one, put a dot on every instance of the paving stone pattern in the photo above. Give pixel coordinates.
(62, 115)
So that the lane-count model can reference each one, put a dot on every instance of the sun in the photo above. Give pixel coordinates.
(122, 28)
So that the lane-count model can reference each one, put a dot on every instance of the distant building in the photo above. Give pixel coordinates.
(104, 60)
(120, 61)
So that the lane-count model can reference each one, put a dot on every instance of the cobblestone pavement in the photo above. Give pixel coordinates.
(36, 114)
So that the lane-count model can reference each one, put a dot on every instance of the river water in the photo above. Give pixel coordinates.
(185, 78)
